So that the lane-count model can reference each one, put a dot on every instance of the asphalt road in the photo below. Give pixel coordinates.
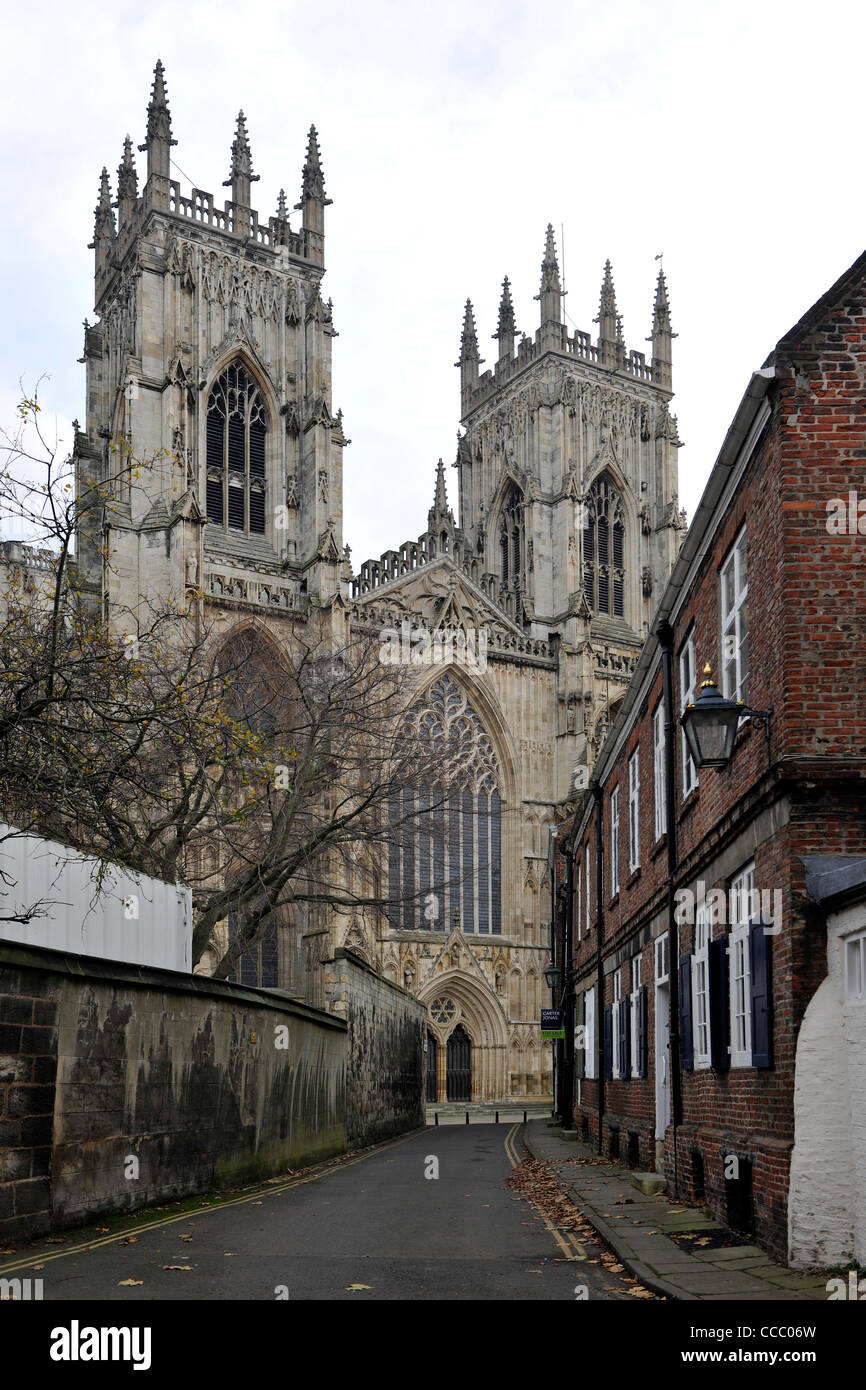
(374, 1227)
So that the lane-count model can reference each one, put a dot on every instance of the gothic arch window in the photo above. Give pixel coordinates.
(511, 536)
(236, 429)
(445, 846)
(603, 548)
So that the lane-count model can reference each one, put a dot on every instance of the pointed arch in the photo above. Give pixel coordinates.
(604, 541)
(479, 1011)
(239, 418)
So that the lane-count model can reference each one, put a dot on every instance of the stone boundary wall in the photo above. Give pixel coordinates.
(385, 1075)
(122, 1085)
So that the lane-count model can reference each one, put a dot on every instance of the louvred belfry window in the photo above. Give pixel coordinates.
(603, 549)
(236, 427)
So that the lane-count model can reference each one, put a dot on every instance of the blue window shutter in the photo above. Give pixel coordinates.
(718, 967)
(608, 1041)
(641, 1031)
(760, 959)
(687, 1049)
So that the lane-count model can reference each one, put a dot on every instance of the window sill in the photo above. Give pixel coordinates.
(634, 875)
(612, 902)
(659, 845)
(689, 800)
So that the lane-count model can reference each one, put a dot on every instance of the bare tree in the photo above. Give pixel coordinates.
(261, 775)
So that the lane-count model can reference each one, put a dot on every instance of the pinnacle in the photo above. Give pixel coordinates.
(506, 323)
(158, 114)
(440, 496)
(661, 307)
(312, 178)
(608, 294)
(282, 214)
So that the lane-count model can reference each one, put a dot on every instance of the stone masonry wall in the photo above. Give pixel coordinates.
(121, 1085)
(385, 1058)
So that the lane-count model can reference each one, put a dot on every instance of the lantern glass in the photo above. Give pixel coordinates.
(551, 975)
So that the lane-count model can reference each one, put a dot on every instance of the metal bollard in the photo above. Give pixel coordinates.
(436, 1118)
(497, 1117)
(467, 1116)
(524, 1117)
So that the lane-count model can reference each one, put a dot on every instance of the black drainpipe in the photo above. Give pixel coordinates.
(666, 639)
(566, 1103)
(599, 1008)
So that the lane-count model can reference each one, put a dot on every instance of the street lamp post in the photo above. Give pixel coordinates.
(710, 724)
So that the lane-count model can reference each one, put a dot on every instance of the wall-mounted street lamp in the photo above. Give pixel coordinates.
(710, 723)
(552, 975)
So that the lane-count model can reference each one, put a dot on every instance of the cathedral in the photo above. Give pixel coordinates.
(211, 354)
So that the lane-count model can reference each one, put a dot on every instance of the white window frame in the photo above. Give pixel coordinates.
(855, 968)
(633, 1016)
(614, 1031)
(588, 876)
(662, 963)
(634, 811)
(589, 1017)
(688, 693)
(661, 819)
(701, 989)
(578, 899)
(614, 842)
(735, 621)
(740, 897)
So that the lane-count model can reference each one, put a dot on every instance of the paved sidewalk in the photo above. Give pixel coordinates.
(639, 1230)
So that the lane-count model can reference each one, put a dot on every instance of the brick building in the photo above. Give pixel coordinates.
(715, 921)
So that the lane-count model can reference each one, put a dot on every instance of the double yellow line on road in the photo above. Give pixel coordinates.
(568, 1243)
(253, 1195)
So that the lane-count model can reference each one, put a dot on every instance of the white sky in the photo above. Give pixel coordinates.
(728, 136)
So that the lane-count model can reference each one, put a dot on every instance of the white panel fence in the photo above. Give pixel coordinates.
(129, 917)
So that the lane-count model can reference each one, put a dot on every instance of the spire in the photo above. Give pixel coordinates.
(551, 288)
(313, 201)
(103, 225)
(469, 337)
(440, 496)
(127, 185)
(609, 329)
(241, 176)
(158, 142)
(507, 328)
(312, 178)
(469, 356)
(283, 228)
(662, 336)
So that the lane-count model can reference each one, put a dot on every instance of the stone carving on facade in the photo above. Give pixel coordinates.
(323, 484)
(291, 491)
(646, 581)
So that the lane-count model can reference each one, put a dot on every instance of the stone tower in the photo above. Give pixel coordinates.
(567, 473)
(210, 363)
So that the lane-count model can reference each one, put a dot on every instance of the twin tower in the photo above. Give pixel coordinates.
(210, 362)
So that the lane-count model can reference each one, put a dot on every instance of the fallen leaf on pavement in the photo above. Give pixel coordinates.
(124, 1283)
(175, 1266)
(133, 1240)
(353, 1288)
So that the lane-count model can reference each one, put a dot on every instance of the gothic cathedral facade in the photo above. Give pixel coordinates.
(211, 354)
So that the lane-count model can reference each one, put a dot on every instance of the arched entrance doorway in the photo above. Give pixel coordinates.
(432, 1062)
(458, 1065)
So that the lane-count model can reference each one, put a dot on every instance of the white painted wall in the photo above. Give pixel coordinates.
(132, 918)
(827, 1196)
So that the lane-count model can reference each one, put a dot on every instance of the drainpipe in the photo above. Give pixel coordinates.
(566, 1100)
(666, 640)
(551, 859)
(599, 988)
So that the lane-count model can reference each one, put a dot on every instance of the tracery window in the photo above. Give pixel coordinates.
(445, 845)
(603, 537)
(236, 428)
(511, 536)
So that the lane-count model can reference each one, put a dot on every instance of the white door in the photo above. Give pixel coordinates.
(662, 1059)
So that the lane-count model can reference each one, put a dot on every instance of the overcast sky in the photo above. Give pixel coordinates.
(727, 136)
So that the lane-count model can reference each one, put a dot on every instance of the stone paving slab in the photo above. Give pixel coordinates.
(640, 1232)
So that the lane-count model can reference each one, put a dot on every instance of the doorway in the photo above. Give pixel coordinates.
(458, 1065)
(432, 1061)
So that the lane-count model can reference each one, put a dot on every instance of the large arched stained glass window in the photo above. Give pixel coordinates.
(445, 842)
(236, 427)
(603, 537)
